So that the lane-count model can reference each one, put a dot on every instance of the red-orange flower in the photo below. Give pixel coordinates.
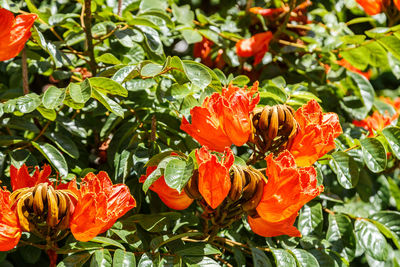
(266, 11)
(223, 119)
(397, 4)
(14, 33)
(376, 122)
(394, 103)
(100, 204)
(317, 131)
(203, 50)
(372, 7)
(10, 231)
(214, 179)
(344, 63)
(171, 197)
(256, 46)
(21, 178)
(287, 190)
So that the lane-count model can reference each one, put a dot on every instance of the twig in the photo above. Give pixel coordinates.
(86, 20)
(25, 81)
(120, 7)
(292, 5)
(351, 148)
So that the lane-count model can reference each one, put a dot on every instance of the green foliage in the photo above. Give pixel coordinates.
(118, 108)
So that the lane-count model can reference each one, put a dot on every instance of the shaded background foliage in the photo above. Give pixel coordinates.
(146, 80)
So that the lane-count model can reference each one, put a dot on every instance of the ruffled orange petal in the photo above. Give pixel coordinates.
(14, 37)
(317, 132)
(269, 229)
(10, 231)
(256, 46)
(21, 178)
(288, 188)
(371, 7)
(214, 179)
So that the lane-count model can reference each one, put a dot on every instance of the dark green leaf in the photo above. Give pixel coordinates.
(346, 169)
(371, 240)
(124, 258)
(53, 156)
(178, 172)
(101, 258)
(53, 97)
(374, 154)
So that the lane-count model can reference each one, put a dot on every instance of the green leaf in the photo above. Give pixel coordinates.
(178, 172)
(101, 258)
(357, 57)
(123, 258)
(340, 234)
(310, 219)
(110, 104)
(107, 241)
(145, 260)
(385, 220)
(49, 114)
(125, 74)
(304, 259)
(108, 86)
(394, 191)
(151, 70)
(377, 55)
(392, 135)
(371, 240)
(197, 249)
(259, 258)
(191, 36)
(77, 259)
(64, 143)
(80, 93)
(394, 64)
(53, 97)
(197, 73)
(283, 258)
(374, 154)
(157, 173)
(108, 59)
(53, 156)
(183, 14)
(28, 103)
(346, 169)
(392, 44)
(366, 90)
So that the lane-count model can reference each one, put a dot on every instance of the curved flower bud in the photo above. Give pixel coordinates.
(256, 46)
(316, 135)
(223, 119)
(21, 178)
(171, 197)
(287, 190)
(10, 231)
(100, 204)
(376, 122)
(214, 178)
(14, 33)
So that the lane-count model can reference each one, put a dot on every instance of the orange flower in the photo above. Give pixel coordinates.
(287, 190)
(10, 231)
(372, 7)
(394, 103)
(266, 11)
(344, 63)
(255, 46)
(100, 204)
(214, 178)
(203, 50)
(397, 4)
(14, 33)
(376, 122)
(171, 197)
(316, 135)
(20, 178)
(223, 119)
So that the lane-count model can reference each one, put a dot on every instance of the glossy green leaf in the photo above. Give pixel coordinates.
(80, 93)
(178, 172)
(124, 258)
(53, 97)
(340, 233)
(371, 239)
(366, 90)
(310, 219)
(101, 258)
(108, 86)
(28, 103)
(110, 104)
(259, 258)
(346, 169)
(53, 156)
(108, 58)
(197, 73)
(374, 154)
(64, 143)
(304, 259)
(392, 135)
(283, 258)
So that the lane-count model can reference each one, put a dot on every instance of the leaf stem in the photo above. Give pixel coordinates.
(25, 78)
